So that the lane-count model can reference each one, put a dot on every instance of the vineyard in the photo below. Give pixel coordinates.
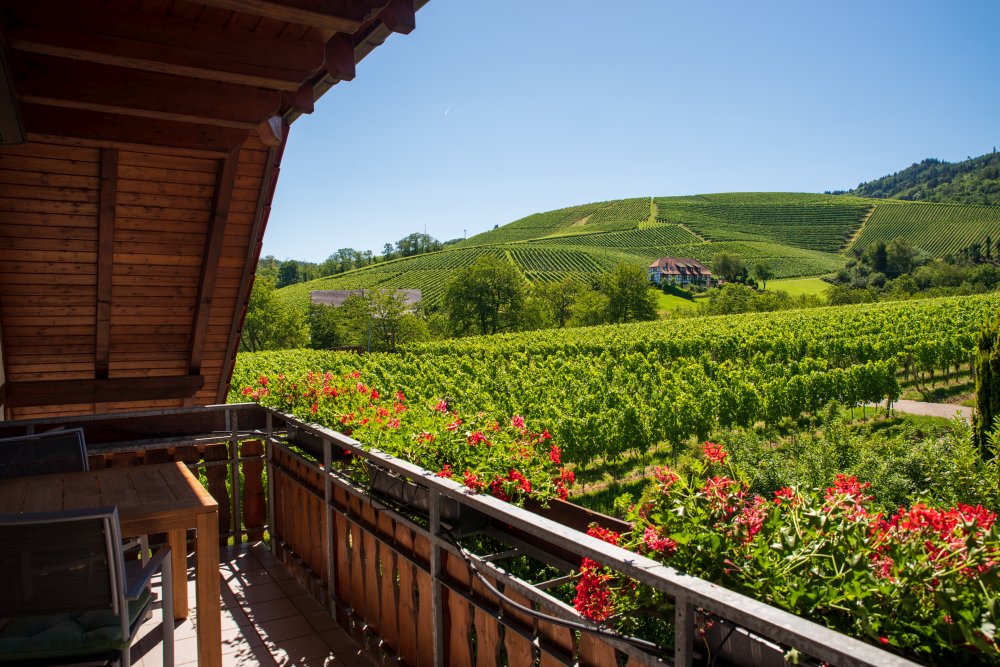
(814, 222)
(616, 391)
(795, 234)
(938, 229)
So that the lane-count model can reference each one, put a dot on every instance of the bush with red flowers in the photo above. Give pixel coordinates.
(922, 581)
(502, 457)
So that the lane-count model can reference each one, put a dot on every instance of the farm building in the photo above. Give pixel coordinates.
(337, 297)
(680, 271)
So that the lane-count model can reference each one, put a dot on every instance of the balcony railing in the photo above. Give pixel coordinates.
(387, 559)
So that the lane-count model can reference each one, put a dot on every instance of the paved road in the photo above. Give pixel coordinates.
(945, 410)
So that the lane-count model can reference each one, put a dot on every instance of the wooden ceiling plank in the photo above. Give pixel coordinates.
(162, 44)
(96, 87)
(335, 15)
(130, 130)
(104, 390)
(225, 184)
(105, 258)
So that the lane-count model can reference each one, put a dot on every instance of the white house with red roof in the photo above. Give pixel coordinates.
(680, 271)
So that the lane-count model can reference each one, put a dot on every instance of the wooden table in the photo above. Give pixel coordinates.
(162, 498)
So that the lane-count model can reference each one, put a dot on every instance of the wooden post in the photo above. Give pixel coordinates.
(255, 507)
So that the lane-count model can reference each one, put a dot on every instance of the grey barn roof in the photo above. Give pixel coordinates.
(337, 297)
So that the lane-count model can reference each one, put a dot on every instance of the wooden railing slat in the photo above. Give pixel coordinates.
(389, 603)
(520, 652)
(254, 495)
(407, 618)
(458, 614)
(425, 612)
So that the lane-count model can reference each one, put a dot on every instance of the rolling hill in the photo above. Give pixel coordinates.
(972, 181)
(798, 234)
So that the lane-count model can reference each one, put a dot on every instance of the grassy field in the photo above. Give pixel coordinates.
(668, 303)
(799, 286)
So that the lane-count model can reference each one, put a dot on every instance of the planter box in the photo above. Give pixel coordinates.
(415, 499)
(312, 443)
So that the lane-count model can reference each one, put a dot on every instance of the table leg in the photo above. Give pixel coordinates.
(177, 539)
(208, 598)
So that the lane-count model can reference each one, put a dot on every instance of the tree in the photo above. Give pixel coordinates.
(762, 272)
(987, 381)
(560, 297)
(271, 324)
(324, 327)
(876, 257)
(289, 273)
(900, 257)
(629, 296)
(485, 297)
(728, 266)
(589, 309)
(386, 309)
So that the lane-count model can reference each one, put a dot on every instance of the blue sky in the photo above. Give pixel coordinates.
(495, 109)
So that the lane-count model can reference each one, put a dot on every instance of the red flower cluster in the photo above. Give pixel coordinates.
(593, 595)
(714, 453)
(555, 455)
(665, 476)
(563, 482)
(472, 481)
(784, 493)
(445, 471)
(657, 542)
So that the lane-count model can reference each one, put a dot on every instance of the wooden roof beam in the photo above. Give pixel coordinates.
(399, 16)
(101, 390)
(224, 184)
(103, 88)
(164, 44)
(335, 15)
(129, 130)
(340, 60)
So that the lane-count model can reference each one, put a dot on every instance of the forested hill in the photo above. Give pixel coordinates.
(972, 181)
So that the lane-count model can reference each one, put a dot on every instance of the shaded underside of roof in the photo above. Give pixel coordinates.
(132, 218)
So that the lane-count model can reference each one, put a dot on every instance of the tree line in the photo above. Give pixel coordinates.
(489, 296)
(292, 271)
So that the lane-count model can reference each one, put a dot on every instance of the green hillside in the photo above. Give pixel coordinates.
(938, 229)
(798, 234)
(972, 181)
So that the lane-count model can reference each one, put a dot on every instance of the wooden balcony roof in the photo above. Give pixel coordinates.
(132, 218)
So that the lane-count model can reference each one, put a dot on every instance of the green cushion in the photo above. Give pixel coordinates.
(64, 635)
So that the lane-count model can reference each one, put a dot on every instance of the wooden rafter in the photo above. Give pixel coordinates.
(164, 44)
(271, 172)
(105, 258)
(335, 15)
(399, 16)
(340, 59)
(102, 390)
(108, 127)
(225, 182)
(104, 88)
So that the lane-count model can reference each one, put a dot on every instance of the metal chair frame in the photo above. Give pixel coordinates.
(123, 590)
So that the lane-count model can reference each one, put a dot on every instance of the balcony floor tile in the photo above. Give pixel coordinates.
(267, 620)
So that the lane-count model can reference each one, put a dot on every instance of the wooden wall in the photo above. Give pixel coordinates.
(56, 268)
